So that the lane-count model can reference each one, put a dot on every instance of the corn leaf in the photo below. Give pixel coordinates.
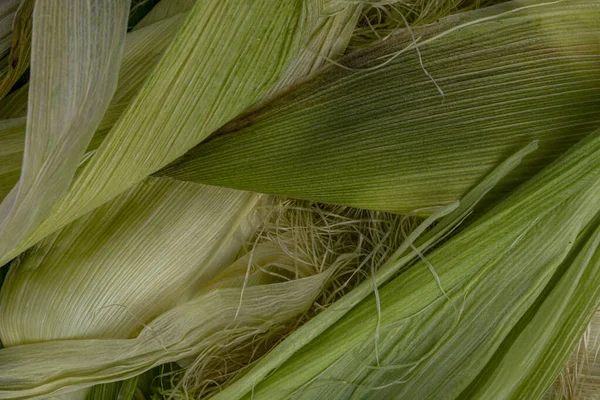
(332, 23)
(377, 134)
(580, 376)
(113, 270)
(119, 390)
(189, 94)
(143, 48)
(55, 367)
(432, 342)
(543, 340)
(447, 218)
(14, 105)
(8, 8)
(166, 9)
(20, 51)
(12, 142)
(73, 77)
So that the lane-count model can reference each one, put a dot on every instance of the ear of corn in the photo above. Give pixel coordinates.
(381, 136)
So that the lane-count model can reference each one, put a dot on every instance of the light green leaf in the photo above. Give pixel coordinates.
(124, 390)
(20, 42)
(113, 270)
(14, 105)
(12, 142)
(73, 77)
(196, 87)
(143, 49)
(56, 367)
(541, 343)
(331, 25)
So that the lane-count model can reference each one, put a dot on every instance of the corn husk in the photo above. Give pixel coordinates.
(88, 241)
(580, 377)
(434, 321)
(331, 27)
(59, 366)
(157, 141)
(166, 9)
(128, 261)
(145, 45)
(14, 105)
(7, 16)
(58, 277)
(142, 51)
(447, 218)
(400, 342)
(12, 141)
(121, 390)
(170, 237)
(20, 46)
(377, 133)
(542, 341)
(73, 77)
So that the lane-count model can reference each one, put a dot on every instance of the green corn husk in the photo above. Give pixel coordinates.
(12, 141)
(73, 76)
(59, 366)
(14, 105)
(110, 272)
(129, 272)
(378, 134)
(332, 23)
(143, 48)
(157, 141)
(142, 51)
(7, 16)
(89, 243)
(20, 46)
(426, 340)
(56, 278)
(542, 341)
(580, 377)
(121, 391)
(166, 9)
